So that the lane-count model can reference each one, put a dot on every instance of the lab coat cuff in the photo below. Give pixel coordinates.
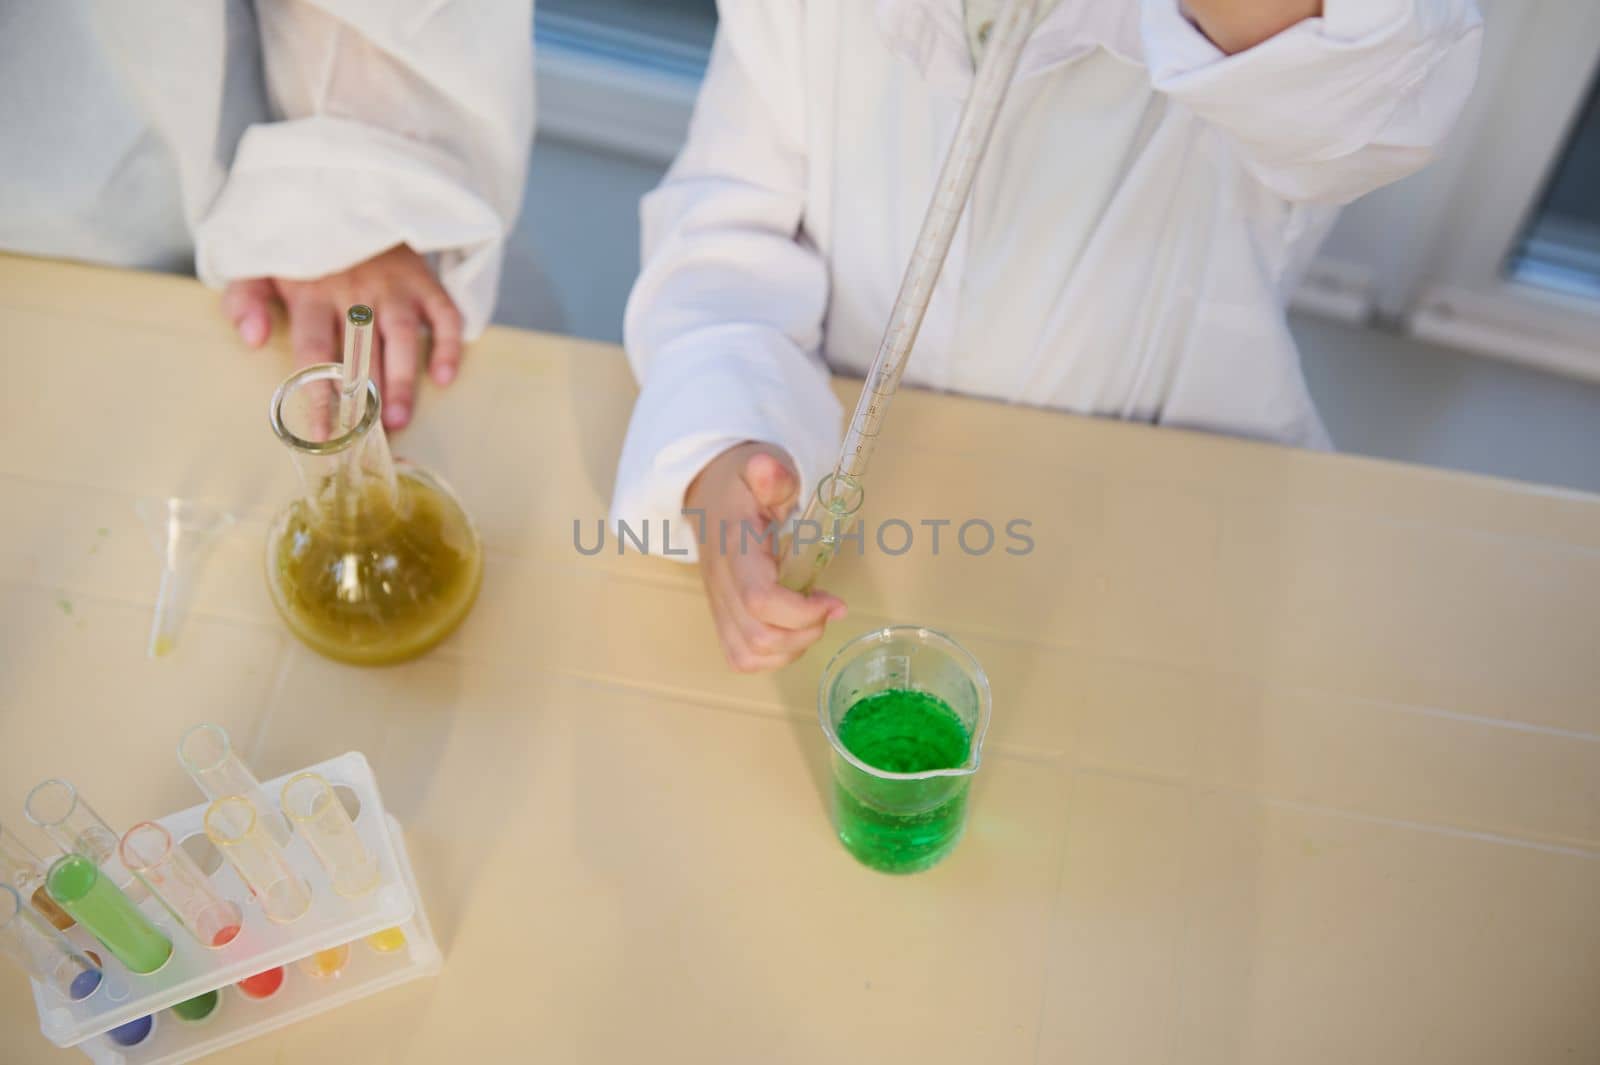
(1175, 46)
(709, 391)
(1319, 90)
(310, 197)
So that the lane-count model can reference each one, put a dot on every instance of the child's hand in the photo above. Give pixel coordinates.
(404, 295)
(1237, 25)
(762, 625)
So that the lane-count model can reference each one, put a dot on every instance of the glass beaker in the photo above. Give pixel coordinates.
(905, 709)
(377, 561)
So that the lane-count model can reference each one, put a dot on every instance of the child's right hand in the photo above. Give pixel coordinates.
(762, 625)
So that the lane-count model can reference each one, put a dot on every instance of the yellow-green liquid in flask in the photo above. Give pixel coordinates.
(372, 583)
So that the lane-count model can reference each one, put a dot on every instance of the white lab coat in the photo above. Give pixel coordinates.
(287, 138)
(1146, 205)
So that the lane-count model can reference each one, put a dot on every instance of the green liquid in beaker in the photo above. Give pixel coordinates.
(901, 826)
(384, 587)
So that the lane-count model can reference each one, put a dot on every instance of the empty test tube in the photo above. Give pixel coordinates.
(24, 870)
(233, 824)
(171, 875)
(320, 817)
(81, 889)
(71, 823)
(42, 951)
(208, 755)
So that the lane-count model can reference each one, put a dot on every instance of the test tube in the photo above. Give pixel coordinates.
(234, 826)
(24, 870)
(50, 958)
(320, 817)
(208, 755)
(42, 951)
(186, 892)
(71, 823)
(173, 878)
(94, 901)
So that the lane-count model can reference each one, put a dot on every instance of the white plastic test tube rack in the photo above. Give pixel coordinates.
(261, 945)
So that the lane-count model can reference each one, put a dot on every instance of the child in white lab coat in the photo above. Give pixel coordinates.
(304, 153)
(1160, 174)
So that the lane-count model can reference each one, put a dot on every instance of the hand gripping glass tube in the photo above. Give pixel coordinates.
(94, 902)
(42, 951)
(24, 870)
(320, 817)
(233, 824)
(55, 806)
(208, 755)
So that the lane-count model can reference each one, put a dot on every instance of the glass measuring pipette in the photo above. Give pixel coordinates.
(357, 366)
(353, 396)
(838, 495)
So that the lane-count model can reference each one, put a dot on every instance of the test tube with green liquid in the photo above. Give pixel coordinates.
(58, 810)
(78, 886)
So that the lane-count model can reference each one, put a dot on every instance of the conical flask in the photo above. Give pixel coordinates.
(377, 561)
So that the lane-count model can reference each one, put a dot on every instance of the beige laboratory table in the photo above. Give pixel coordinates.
(1295, 758)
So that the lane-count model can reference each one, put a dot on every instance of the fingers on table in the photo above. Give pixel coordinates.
(248, 305)
(445, 323)
(313, 327)
(400, 330)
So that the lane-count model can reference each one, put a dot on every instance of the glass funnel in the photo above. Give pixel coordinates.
(905, 710)
(377, 561)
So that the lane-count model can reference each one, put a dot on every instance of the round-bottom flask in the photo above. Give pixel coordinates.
(377, 561)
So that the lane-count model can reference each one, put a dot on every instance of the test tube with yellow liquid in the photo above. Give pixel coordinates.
(318, 815)
(235, 826)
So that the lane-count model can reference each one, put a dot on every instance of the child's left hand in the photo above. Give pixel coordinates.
(403, 294)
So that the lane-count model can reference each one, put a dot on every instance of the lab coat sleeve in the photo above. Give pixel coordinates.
(403, 122)
(724, 323)
(1332, 107)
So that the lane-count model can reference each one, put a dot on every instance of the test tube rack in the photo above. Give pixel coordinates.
(261, 945)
